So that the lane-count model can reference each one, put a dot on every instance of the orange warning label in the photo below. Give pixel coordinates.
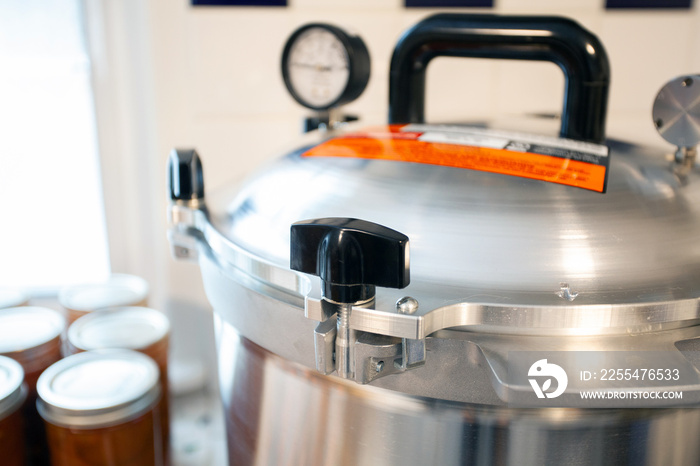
(491, 151)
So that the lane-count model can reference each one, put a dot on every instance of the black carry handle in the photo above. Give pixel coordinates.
(564, 42)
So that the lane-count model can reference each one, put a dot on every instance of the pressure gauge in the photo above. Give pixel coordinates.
(324, 66)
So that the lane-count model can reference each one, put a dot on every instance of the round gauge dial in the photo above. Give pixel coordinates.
(324, 66)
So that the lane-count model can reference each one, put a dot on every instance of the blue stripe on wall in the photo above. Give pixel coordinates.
(448, 3)
(611, 4)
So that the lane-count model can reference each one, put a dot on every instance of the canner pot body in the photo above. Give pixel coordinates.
(506, 262)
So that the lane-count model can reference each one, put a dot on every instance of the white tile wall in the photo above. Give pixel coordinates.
(234, 57)
(232, 104)
(218, 140)
(460, 90)
(645, 51)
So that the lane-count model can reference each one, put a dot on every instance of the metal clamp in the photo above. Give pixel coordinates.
(184, 226)
(374, 355)
(186, 192)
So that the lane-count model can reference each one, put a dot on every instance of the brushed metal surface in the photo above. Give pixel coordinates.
(512, 263)
(676, 111)
(281, 413)
(462, 366)
(507, 237)
(440, 306)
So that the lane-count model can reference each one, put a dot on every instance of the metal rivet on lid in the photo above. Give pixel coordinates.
(406, 305)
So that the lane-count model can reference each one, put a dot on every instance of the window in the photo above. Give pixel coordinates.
(52, 227)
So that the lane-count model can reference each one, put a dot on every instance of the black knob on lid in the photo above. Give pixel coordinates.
(351, 256)
(185, 175)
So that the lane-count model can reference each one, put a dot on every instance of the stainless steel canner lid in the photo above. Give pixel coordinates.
(122, 327)
(12, 393)
(98, 388)
(512, 251)
(503, 238)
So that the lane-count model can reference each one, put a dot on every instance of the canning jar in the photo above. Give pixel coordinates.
(31, 336)
(12, 298)
(12, 395)
(101, 409)
(137, 328)
(119, 290)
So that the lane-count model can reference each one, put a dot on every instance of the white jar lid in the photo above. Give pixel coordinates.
(98, 388)
(119, 290)
(26, 327)
(11, 392)
(12, 298)
(123, 327)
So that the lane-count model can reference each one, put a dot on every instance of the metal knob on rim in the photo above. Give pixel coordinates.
(351, 257)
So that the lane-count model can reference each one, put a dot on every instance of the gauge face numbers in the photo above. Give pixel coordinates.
(318, 68)
(324, 66)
